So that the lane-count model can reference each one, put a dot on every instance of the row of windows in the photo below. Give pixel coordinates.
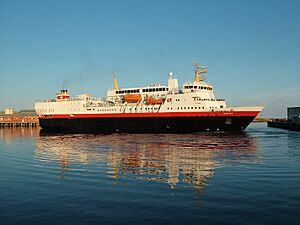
(147, 109)
(204, 99)
(187, 108)
(155, 89)
(110, 110)
(211, 107)
(102, 110)
(128, 91)
(198, 87)
(144, 90)
(45, 110)
(200, 99)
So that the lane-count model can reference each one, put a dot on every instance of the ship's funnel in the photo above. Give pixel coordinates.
(63, 95)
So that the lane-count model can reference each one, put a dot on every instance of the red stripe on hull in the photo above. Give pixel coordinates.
(160, 114)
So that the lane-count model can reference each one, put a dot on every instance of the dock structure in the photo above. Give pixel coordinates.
(24, 118)
(285, 125)
(291, 123)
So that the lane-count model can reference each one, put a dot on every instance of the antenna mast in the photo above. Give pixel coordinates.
(116, 86)
(198, 71)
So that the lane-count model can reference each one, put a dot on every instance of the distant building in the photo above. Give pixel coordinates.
(294, 114)
(23, 118)
(8, 111)
(27, 112)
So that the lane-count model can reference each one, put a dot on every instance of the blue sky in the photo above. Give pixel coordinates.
(252, 48)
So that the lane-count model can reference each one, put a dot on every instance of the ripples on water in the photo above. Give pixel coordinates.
(209, 178)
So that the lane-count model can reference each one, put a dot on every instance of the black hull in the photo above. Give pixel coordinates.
(146, 125)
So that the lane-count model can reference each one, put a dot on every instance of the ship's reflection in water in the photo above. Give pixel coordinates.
(9, 134)
(169, 158)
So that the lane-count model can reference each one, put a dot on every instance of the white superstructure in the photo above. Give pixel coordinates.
(196, 95)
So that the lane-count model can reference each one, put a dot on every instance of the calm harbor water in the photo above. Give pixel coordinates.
(205, 178)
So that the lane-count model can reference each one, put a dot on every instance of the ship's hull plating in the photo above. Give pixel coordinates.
(146, 124)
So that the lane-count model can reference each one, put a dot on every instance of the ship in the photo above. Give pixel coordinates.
(154, 108)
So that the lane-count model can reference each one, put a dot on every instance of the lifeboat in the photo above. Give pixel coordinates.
(131, 98)
(153, 101)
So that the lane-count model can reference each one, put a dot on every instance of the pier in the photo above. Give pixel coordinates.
(285, 125)
(291, 123)
(10, 124)
(22, 119)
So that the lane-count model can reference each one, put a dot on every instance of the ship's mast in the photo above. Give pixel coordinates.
(116, 86)
(198, 71)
